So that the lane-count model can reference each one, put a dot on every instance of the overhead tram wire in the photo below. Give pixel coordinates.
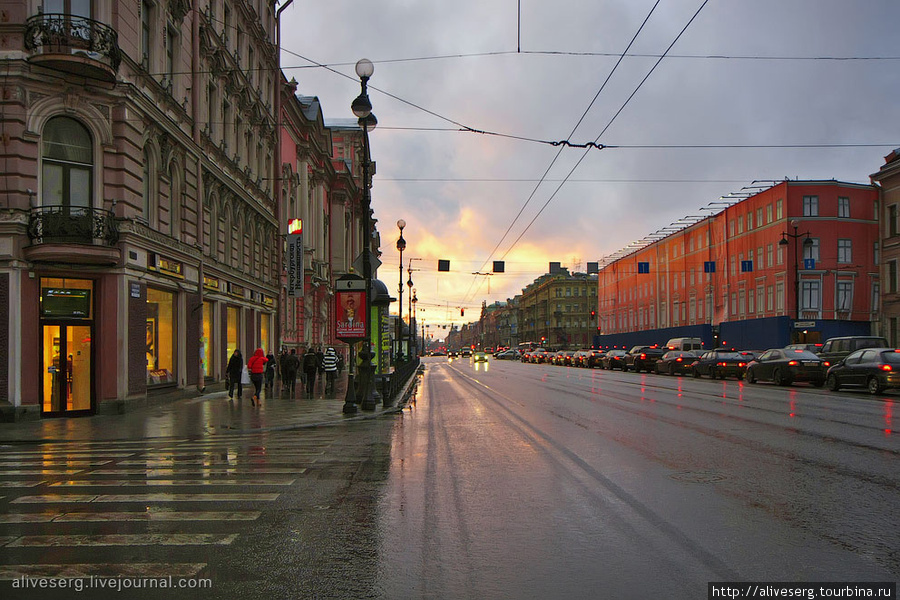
(572, 133)
(614, 117)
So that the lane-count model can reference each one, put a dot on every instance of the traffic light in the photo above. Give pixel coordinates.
(593, 313)
(462, 312)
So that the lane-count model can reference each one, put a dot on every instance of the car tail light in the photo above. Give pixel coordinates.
(826, 363)
(721, 364)
(678, 359)
(793, 363)
(740, 364)
(643, 356)
(886, 368)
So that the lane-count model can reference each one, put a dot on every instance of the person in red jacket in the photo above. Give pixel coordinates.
(257, 366)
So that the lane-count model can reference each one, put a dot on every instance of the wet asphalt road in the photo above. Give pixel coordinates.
(535, 481)
(519, 481)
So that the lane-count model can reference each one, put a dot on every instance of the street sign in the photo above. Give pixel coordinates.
(809, 263)
(804, 324)
(374, 263)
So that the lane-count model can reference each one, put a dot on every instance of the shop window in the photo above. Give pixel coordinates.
(232, 329)
(206, 344)
(161, 326)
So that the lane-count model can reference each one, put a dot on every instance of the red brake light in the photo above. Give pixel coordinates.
(678, 359)
(826, 363)
(721, 364)
(643, 356)
(741, 364)
(886, 368)
(793, 363)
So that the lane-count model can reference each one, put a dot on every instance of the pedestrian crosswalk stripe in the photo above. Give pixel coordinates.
(63, 455)
(20, 484)
(55, 463)
(5, 539)
(11, 472)
(219, 470)
(123, 539)
(87, 498)
(210, 462)
(85, 571)
(175, 482)
(154, 515)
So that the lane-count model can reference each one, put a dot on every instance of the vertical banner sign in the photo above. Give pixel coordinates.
(295, 265)
(350, 310)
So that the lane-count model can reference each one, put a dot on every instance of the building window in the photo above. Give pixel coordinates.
(749, 221)
(779, 209)
(844, 293)
(146, 46)
(892, 220)
(779, 296)
(769, 256)
(759, 217)
(810, 206)
(770, 298)
(780, 254)
(751, 304)
(206, 342)
(171, 48)
(760, 299)
(769, 213)
(810, 297)
(892, 277)
(845, 251)
(161, 324)
(876, 296)
(811, 250)
(742, 303)
(876, 254)
(844, 207)
(67, 164)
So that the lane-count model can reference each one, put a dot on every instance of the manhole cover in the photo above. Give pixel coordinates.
(697, 476)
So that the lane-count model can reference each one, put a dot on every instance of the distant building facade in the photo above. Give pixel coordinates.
(730, 279)
(888, 178)
(556, 310)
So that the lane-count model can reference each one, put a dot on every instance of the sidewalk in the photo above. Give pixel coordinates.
(207, 414)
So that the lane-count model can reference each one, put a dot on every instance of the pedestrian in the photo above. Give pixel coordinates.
(310, 367)
(233, 371)
(270, 374)
(319, 357)
(329, 365)
(290, 365)
(281, 358)
(257, 366)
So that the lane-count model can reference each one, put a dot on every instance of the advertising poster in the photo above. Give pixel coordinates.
(350, 314)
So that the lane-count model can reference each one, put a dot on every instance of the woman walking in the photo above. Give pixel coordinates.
(234, 370)
(257, 366)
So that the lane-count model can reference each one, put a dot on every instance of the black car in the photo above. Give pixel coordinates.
(676, 362)
(719, 363)
(875, 368)
(784, 366)
(593, 358)
(614, 359)
(643, 358)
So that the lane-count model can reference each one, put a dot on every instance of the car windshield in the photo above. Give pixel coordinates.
(801, 354)
(729, 355)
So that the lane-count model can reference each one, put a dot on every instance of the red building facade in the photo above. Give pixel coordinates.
(806, 251)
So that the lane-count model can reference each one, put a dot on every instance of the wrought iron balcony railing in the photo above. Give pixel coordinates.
(72, 225)
(68, 34)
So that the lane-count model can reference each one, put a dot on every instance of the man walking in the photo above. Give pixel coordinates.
(289, 367)
(330, 366)
(310, 367)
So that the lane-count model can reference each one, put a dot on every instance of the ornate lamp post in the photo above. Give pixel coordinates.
(807, 242)
(401, 246)
(412, 325)
(362, 108)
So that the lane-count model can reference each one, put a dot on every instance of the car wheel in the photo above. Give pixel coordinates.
(696, 374)
(832, 383)
(672, 369)
(713, 373)
(875, 386)
(778, 378)
(750, 377)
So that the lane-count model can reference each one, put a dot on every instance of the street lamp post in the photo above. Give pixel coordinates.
(807, 242)
(413, 328)
(401, 246)
(362, 108)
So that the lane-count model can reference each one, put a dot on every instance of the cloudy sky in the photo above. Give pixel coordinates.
(757, 80)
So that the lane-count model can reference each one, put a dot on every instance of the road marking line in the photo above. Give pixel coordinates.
(64, 455)
(55, 463)
(124, 539)
(20, 484)
(245, 470)
(41, 472)
(157, 515)
(86, 571)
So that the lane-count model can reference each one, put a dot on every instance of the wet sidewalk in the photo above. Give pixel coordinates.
(207, 414)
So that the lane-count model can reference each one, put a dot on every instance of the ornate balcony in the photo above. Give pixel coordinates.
(72, 235)
(73, 44)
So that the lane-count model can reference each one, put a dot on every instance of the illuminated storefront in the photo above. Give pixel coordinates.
(206, 342)
(161, 331)
(232, 330)
(66, 313)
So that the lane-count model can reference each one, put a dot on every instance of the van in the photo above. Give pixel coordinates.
(838, 348)
(684, 343)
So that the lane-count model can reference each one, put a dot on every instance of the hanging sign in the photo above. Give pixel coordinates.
(295, 265)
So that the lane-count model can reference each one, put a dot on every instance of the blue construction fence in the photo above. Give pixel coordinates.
(750, 334)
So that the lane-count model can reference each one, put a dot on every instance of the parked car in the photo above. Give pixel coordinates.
(814, 348)
(507, 355)
(685, 343)
(676, 362)
(564, 357)
(479, 357)
(784, 367)
(643, 358)
(876, 368)
(614, 359)
(591, 358)
(539, 355)
(838, 348)
(719, 363)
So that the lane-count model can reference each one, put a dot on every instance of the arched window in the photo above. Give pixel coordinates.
(67, 164)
